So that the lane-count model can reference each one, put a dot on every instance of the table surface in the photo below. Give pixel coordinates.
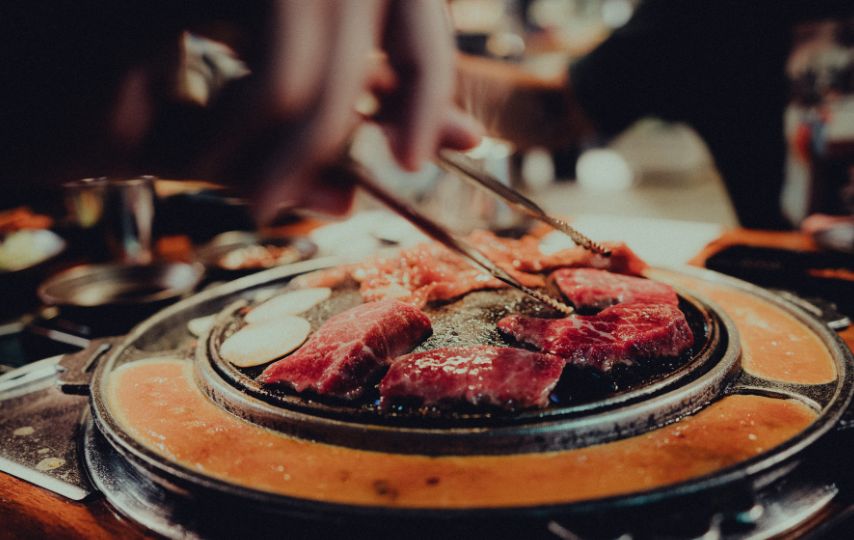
(27, 511)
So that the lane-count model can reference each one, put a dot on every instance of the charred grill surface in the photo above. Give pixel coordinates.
(468, 321)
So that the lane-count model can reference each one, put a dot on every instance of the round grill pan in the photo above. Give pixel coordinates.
(165, 334)
(587, 407)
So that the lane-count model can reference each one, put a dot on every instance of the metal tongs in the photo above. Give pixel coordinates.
(462, 165)
(364, 179)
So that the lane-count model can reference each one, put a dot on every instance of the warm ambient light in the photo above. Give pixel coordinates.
(603, 170)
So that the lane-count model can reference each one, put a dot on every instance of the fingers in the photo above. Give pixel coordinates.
(299, 108)
(460, 131)
(420, 50)
(290, 179)
(319, 191)
(355, 28)
(381, 77)
(284, 86)
(297, 63)
(329, 191)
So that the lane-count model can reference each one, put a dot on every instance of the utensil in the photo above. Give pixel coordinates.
(36, 371)
(437, 232)
(112, 285)
(461, 165)
(807, 273)
(470, 321)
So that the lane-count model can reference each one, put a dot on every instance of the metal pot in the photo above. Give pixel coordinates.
(110, 295)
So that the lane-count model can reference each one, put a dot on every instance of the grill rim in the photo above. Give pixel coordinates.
(760, 469)
(711, 349)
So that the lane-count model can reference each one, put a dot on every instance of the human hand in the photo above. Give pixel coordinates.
(293, 117)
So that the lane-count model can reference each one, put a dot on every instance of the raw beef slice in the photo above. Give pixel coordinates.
(591, 288)
(620, 334)
(347, 352)
(504, 377)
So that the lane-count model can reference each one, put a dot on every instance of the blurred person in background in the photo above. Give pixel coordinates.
(717, 66)
(90, 89)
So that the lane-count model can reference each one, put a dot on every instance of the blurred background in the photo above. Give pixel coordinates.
(588, 151)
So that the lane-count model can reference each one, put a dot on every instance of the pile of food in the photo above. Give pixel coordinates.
(20, 218)
(367, 349)
(256, 257)
(25, 240)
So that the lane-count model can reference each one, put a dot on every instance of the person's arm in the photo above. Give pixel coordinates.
(717, 66)
(89, 81)
(294, 114)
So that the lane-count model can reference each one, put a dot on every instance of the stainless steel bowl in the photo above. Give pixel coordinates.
(113, 297)
(96, 286)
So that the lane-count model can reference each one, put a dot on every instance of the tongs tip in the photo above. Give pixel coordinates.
(463, 166)
(577, 237)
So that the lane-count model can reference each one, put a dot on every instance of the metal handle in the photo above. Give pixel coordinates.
(29, 374)
(76, 369)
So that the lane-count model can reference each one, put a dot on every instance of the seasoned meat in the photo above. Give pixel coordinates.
(429, 272)
(620, 334)
(622, 260)
(348, 351)
(523, 255)
(591, 288)
(425, 273)
(481, 375)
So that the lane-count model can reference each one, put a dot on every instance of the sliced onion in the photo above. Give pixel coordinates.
(200, 325)
(290, 303)
(260, 343)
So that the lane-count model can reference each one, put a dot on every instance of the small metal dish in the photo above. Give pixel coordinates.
(213, 254)
(113, 284)
(118, 295)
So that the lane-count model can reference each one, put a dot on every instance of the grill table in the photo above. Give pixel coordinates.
(27, 511)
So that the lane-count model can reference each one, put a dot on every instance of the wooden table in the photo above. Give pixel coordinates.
(27, 511)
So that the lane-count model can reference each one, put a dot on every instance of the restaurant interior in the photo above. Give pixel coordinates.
(558, 269)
